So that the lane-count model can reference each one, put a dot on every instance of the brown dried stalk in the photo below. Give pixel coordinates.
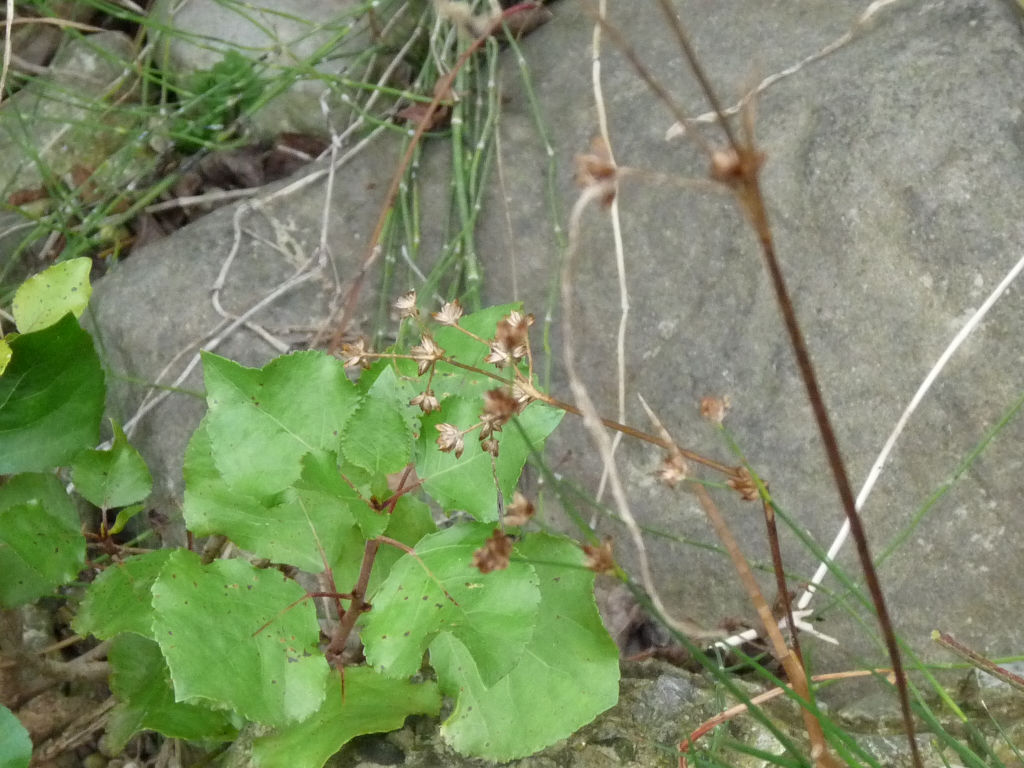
(790, 662)
(977, 660)
(739, 170)
(723, 717)
(738, 167)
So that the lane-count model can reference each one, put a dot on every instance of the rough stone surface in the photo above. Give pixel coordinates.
(889, 164)
(310, 43)
(892, 168)
(66, 119)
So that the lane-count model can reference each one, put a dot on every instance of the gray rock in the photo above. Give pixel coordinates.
(67, 122)
(60, 121)
(889, 164)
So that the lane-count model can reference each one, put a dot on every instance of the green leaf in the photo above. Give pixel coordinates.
(45, 298)
(371, 704)
(142, 684)
(316, 519)
(330, 482)
(439, 592)
(378, 436)
(15, 743)
(5, 352)
(41, 546)
(228, 639)
(121, 598)
(114, 478)
(261, 422)
(51, 398)
(567, 676)
(123, 516)
(467, 483)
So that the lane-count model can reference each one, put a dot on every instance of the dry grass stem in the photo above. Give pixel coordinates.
(794, 668)
(680, 128)
(8, 23)
(616, 225)
(723, 717)
(645, 74)
(593, 423)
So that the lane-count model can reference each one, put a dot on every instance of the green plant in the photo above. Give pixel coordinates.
(216, 99)
(304, 469)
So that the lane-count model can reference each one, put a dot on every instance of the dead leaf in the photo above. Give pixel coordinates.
(418, 112)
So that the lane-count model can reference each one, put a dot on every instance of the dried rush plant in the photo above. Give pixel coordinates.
(735, 164)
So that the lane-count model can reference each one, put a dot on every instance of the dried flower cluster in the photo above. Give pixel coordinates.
(451, 439)
(357, 354)
(449, 314)
(427, 401)
(734, 168)
(519, 512)
(405, 305)
(509, 346)
(511, 341)
(426, 353)
(674, 469)
(494, 554)
(745, 485)
(600, 558)
(713, 408)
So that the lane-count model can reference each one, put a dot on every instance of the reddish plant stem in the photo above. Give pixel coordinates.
(356, 607)
(781, 586)
(646, 437)
(749, 193)
(357, 597)
(554, 402)
(698, 71)
(625, 429)
(790, 662)
(985, 665)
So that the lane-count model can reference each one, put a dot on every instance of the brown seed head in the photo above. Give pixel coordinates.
(733, 169)
(745, 485)
(713, 408)
(596, 167)
(426, 353)
(405, 305)
(450, 439)
(356, 354)
(500, 355)
(494, 554)
(449, 314)
(427, 402)
(511, 341)
(600, 559)
(520, 511)
(673, 470)
(499, 407)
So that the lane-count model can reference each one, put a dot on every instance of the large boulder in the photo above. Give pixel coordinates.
(890, 161)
